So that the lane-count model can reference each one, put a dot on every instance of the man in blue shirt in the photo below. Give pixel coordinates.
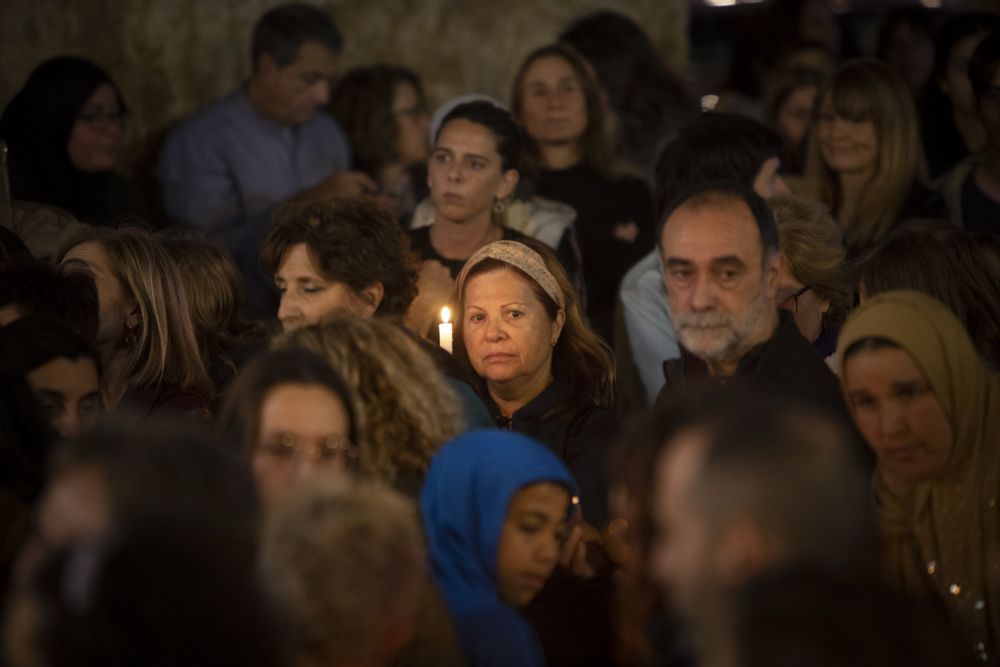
(228, 168)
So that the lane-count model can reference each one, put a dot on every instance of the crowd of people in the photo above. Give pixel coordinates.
(595, 377)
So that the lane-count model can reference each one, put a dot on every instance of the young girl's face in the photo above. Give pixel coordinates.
(530, 541)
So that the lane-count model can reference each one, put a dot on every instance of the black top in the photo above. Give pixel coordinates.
(944, 145)
(980, 213)
(604, 207)
(420, 239)
(580, 435)
(786, 365)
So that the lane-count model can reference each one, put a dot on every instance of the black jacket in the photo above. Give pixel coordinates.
(786, 365)
(580, 435)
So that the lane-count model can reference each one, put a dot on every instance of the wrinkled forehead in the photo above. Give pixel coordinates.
(710, 230)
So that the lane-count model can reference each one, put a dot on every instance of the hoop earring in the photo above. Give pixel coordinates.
(500, 206)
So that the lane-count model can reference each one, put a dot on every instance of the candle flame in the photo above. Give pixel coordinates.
(445, 315)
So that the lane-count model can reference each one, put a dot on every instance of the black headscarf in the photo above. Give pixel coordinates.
(36, 126)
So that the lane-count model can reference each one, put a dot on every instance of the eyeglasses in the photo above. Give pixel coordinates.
(790, 300)
(286, 451)
(103, 117)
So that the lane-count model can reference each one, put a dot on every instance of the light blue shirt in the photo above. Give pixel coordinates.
(226, 169)
(646, 310)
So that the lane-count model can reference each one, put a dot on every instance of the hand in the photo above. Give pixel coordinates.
(343, 184)
(573, 555)
(434, 287)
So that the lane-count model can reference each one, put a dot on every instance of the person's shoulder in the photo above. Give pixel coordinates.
(217, 115)
(498, 636)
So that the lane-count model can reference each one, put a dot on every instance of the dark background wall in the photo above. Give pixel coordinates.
(172, 56)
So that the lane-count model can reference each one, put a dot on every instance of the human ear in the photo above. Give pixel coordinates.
(557, 326)
(265, 67)
(508, 183)
(370, 298)
(774, 267)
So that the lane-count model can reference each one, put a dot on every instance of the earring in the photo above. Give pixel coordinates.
(500, 206)
(131, 335)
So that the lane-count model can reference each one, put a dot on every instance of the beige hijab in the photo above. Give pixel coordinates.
(945, 533)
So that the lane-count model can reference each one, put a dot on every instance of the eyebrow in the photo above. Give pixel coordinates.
(675, 262)
(908, 384)
(76, 264)
(49, 393)
(533, 514)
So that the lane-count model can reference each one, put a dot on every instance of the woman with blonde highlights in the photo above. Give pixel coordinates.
(403, 407)
(865, 158)
(539, 367)
(147, 342)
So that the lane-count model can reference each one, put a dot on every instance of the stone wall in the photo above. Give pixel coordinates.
(172, 56)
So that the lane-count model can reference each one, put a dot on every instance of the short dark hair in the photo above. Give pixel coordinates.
(281, 32)
(714, 146)
(983, 64)
(38, 290)
(957, 28)
(362, 103)
(719, 191)
(355, 242)
(498, 121)
(33, 342)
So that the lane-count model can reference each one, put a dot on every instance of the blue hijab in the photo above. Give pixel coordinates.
(464, 503)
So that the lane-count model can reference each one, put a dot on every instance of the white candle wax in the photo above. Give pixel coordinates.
(444, 330)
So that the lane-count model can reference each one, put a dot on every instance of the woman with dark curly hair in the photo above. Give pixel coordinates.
(345, 256)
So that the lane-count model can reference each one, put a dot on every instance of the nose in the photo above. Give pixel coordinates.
(547, 552)
(67, 424)
(495, 329)
(289, 313)
(893, 420)
(321, 93)
(702, 296)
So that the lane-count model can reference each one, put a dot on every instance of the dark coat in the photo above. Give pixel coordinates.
(580, 435)
(786, 365)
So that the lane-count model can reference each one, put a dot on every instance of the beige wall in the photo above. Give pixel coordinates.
(171, 56)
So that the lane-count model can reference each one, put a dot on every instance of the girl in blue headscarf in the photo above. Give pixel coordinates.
(496, 507)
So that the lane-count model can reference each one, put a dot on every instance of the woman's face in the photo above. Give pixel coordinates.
(114, 305)
(849, 145)
(530, 540)
(306, 296)
(412, 122)
(465, 172)
(553, 107)
(507, 332)
(96, 135)
(956, 81)
(303, 430)
(898, 413)
(795, 113)
(808, 307)
(68, 393)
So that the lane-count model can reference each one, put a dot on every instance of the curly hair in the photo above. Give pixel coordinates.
(355, 242)
(580, 355)
(403, 407)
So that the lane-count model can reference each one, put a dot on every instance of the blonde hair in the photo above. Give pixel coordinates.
(870, 90)
(166, 348)
(812, 243)
(346, 564)
(403, 407)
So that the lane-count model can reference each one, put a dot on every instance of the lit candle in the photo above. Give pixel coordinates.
(444, 330)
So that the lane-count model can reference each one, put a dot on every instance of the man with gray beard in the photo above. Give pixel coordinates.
(721, 263)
